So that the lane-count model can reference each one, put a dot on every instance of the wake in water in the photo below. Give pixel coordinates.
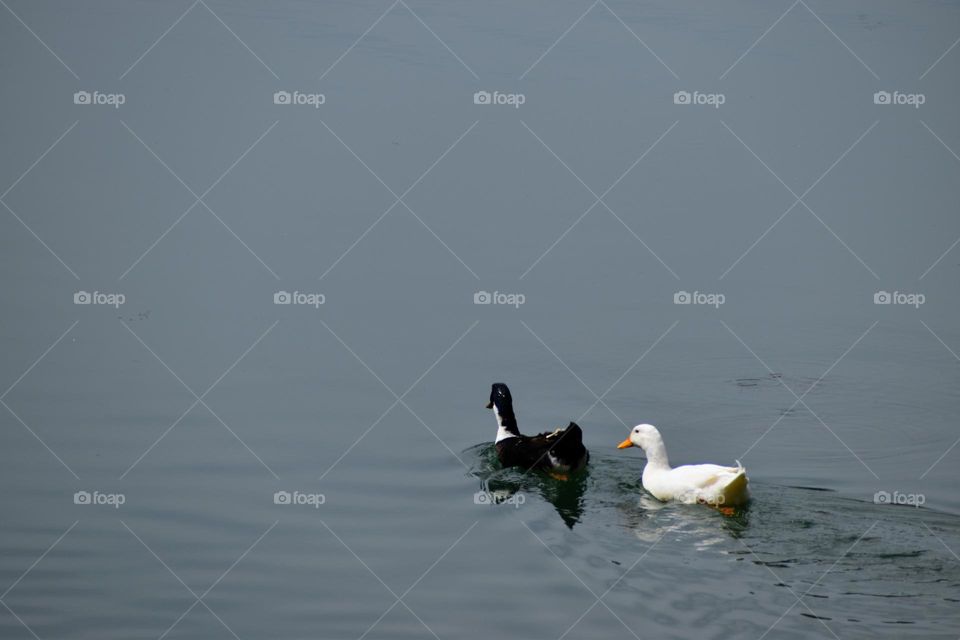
(848, 565)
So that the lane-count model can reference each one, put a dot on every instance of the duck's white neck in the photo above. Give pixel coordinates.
(656, 453)
(502, 432)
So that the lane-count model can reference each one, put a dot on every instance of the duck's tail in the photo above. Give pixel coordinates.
(567, 444)
(736, 492)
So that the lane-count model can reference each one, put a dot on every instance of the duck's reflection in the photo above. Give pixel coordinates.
(566, 496)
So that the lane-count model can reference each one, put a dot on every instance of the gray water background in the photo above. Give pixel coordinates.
(306, 399)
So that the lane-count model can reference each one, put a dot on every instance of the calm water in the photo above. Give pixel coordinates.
(201, 405)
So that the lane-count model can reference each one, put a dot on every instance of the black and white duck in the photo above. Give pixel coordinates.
(558, 453)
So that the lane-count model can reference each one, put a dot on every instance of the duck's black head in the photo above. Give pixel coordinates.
(501, 399)
(500, 396)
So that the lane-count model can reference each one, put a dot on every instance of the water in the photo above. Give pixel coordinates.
(199, 399)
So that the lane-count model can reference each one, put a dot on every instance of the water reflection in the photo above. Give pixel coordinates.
(510, 486)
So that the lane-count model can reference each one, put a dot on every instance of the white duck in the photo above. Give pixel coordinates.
(704, 483)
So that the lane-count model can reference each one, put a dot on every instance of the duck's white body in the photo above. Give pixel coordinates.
(705, 483)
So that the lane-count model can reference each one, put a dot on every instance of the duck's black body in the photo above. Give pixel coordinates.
(561, 451)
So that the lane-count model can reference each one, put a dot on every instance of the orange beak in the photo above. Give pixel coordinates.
(625, 444)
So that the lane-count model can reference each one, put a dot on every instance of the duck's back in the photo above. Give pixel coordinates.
(561, 449)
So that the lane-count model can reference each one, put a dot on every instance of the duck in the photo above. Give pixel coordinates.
(710, 484)
(559, 453)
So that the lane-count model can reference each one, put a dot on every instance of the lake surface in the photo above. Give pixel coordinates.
(245, 253)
